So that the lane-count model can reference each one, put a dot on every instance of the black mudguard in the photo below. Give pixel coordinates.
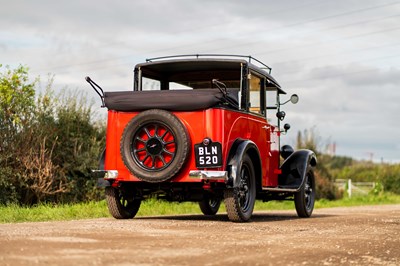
(102, 159)
(239, 148)
(101, 182)
(294, 169)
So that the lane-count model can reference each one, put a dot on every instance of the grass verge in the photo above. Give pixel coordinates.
(153, 207)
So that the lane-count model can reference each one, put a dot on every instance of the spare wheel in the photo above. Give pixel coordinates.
(155, 145)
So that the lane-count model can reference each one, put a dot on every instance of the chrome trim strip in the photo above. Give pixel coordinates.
(208, 175)
(280, 189)
(106, 174)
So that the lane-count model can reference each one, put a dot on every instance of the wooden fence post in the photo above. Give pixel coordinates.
(349, 187)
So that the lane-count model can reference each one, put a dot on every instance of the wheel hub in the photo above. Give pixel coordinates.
(154, 146)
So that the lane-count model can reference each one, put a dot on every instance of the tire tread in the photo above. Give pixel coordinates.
(115, 207)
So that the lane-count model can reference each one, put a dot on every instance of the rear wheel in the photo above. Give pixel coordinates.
(240, 201)
(305, 198)
(210, 205)
(121, 205)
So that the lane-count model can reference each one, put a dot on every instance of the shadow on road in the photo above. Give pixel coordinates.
(257, 217)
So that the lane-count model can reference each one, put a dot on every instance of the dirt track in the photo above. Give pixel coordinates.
(358, 236)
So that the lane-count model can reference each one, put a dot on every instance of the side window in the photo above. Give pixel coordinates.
(149, 84)
(255, 92)
(178, 86)
(271, 101)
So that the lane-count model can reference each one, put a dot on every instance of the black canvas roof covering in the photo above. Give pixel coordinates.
(175, 100)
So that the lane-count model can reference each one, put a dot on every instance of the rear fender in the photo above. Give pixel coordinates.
(102, 159)
(239, 148)
(101, 182)
(295, 167)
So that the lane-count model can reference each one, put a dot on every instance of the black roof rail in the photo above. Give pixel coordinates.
(248, 57)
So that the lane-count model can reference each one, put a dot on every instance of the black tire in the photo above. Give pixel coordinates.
(240, 201)
(304, 199)
(155, 145)
(210, 205)
(121, 206)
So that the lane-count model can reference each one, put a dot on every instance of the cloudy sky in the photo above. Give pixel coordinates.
(341, 57)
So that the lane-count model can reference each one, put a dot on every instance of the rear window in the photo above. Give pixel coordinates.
(192, 80)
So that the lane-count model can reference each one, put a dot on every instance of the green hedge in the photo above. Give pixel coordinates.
(49, 143)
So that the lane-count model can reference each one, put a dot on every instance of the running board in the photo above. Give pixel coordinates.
(277, 189)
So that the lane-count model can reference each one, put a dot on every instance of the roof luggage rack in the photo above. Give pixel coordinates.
(249, 58)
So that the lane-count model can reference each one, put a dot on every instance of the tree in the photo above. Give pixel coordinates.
(16, 105)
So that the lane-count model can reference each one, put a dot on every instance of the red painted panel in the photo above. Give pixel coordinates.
(200, 124)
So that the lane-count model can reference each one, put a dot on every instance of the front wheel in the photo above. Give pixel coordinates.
(239, 201)
(121, 205)
(305, 198)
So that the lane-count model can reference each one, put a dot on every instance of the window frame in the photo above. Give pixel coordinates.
(262, 102)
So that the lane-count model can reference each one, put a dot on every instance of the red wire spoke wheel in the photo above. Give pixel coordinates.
(154, 146)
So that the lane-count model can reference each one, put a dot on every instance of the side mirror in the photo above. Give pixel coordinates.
(286, 127)
(294, 98)
(281, 115)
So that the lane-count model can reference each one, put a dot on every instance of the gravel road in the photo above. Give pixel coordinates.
(358, 236)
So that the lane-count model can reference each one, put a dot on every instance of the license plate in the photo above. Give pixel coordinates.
(208, 156)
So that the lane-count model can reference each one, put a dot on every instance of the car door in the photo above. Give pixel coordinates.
(259, 128)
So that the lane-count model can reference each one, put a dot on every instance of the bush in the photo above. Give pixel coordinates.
(8, 192)
(386, 175)
(330, 168)
(390, 178)
(16, 107)
(48, 145)
(80, 142)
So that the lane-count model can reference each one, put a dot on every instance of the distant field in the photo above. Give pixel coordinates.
(152, 207)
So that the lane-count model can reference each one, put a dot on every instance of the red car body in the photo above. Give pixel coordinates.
(201, 124)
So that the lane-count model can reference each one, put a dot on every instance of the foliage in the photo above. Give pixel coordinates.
(390, 178)
(48, 144)
(16, 106)
(330, 168)
(16, 101)
(386, 175)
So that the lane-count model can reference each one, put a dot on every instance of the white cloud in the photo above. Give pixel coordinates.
(341, 57)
